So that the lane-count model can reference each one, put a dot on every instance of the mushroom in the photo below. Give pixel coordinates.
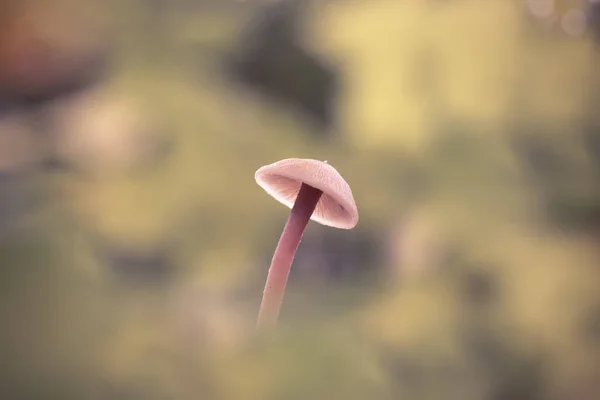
(313, 190)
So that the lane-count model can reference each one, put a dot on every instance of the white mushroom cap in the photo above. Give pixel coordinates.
(283, 179)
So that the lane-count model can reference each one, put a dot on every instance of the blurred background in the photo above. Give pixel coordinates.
(134, 241)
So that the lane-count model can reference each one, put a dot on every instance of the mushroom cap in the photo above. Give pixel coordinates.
(283, 179)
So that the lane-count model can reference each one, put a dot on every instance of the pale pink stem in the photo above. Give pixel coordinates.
(307, 200)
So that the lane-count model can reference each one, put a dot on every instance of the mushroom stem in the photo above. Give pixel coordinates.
(305, 205)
